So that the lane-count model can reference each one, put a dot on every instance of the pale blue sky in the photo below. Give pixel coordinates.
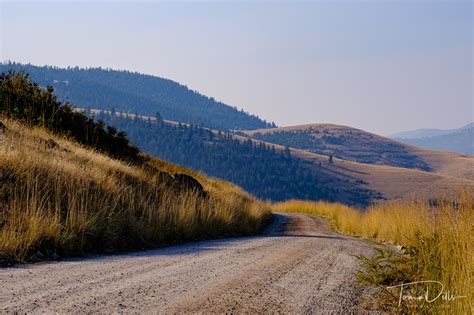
(383, 66)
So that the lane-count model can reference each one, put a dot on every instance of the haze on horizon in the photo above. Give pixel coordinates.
(380, 66)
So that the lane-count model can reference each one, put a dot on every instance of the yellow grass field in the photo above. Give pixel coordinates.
(439, 241)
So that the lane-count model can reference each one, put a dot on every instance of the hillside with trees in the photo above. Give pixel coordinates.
(72, 186)
(344, 143)
(356, 145)
(23, 100)
(138, 93)
(258, 168)
(255, 166)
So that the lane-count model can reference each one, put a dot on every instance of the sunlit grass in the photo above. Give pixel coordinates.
(438, 238)
(71, 201)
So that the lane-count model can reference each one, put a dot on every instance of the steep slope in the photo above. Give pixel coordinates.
(65, 200)
(360, 146)
(135, 92)
(71, 186)
(61, 199)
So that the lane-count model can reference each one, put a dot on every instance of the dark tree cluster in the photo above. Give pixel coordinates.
(297, 139)
(258, 168)
(22, 99)
(138, 93)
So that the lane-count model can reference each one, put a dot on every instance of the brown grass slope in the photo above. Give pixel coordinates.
(58, 198)
(388, 182)
(391, 182)
(447, 171)
(364, 147)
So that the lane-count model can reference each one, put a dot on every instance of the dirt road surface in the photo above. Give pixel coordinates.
(298, 266)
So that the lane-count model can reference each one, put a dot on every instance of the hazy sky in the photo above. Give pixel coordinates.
(383, 66)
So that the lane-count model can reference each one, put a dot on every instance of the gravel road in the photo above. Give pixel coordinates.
(298, 266)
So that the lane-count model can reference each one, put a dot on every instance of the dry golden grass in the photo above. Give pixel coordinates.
(439, 240)
(70, 201)
(392, 182)
(445, 162)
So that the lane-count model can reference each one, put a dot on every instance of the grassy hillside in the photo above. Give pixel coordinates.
(389, 181)
(261, 169)
(360, 146)
(140, 93)
(67, 200)
(71, 185)
(342, 142)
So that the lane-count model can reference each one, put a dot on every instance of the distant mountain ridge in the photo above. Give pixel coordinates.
(138, 93)
(459, 140)
(423, 133)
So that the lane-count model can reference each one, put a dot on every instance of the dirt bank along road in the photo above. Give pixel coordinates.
(298, 266)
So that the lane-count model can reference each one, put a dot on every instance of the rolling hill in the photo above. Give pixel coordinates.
(138, 93)
(396, 182)
(356, 145)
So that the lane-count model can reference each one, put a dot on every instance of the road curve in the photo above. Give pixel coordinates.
(298, 266)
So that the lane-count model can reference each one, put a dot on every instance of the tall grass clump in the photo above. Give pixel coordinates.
(58, 198)
(436, 238)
